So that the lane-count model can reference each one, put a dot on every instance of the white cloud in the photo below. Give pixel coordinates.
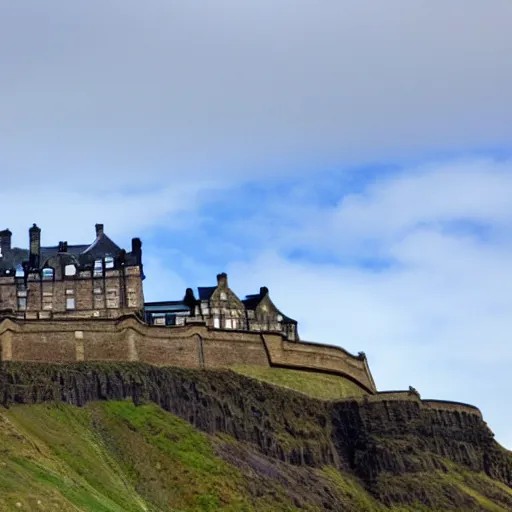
(440, 320)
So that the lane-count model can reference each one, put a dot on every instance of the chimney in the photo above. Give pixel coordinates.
(190, 301)
(263, 291)
(222, 280)
(99, 230)
(63, 247)
(5, 241)
(35, 245)
(137, 249)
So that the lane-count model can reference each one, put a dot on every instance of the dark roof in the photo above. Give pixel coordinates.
(11, 259)
(252, 301)
(50, 252)
(205, 292)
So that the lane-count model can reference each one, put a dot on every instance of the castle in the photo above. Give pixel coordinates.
(101, 280)
(69, 303)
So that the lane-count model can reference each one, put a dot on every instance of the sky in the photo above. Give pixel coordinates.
(353, 156)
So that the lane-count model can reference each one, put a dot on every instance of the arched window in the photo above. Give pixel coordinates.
(70, 270)
(47, 274)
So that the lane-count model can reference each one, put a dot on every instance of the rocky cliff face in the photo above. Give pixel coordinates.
(391, 446)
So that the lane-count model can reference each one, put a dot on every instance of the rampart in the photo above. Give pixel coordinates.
(191, 346)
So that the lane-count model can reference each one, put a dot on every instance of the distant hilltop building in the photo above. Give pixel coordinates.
(101, 280)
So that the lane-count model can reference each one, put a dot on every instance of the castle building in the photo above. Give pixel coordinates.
(96, 280)
(101, 280)
(220, 308)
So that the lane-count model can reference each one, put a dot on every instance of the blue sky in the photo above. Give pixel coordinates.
(354, 158)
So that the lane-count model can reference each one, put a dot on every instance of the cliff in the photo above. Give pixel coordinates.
(352, 454)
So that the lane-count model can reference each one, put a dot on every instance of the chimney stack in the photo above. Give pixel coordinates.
(137, 249)
(5, 241)
(263, 291)
(222, 280)
(99, 230)
(35, 245)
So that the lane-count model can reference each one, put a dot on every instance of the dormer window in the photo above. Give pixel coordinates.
(47, 274)
(19, 271)
(109, 262)
(69, 270)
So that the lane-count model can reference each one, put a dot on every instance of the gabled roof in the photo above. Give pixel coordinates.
(101, 247)
(205, 292)
(252, 301)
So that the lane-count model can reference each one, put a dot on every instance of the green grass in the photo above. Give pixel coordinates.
(317, 385)
(115, 456)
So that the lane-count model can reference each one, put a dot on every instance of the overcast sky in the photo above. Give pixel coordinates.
(353, 156)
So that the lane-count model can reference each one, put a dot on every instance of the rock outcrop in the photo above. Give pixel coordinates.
(372, 439)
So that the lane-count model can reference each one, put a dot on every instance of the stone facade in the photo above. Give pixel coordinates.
(97, 280)
(220, 308)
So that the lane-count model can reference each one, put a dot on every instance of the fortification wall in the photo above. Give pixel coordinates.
(192, 346)
(312, 356)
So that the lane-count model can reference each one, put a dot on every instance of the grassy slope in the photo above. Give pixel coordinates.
(113, 456)
(318, 385)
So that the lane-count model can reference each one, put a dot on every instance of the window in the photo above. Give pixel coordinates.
(70, 292)
(235, 323)
(158, 320)
(69, 270)
(223, 296)
(70, 303)
(19, 271)
(109, 262)
(98, 268)
(22, 303)
(229, 323)
(98, 291)
(47, 273)
(216, 322)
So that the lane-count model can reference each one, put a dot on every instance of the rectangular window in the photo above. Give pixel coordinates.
(22, 303)
(229, 323)
(70, 292)
(70, 303)
(235, 323)
(216, 322)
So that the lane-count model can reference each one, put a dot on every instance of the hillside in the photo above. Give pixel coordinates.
(246, 446)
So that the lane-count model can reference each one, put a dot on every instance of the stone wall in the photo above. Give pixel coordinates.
(191, 346)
